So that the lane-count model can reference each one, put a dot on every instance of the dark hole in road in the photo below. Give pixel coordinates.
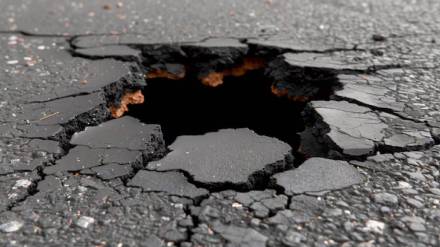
(187, 107)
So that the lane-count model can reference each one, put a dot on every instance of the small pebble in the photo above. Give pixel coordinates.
(386, 198)
(375, 226)
(435, 191)
(85, 221)
(11, 226)
(12, 62)
(22, 183)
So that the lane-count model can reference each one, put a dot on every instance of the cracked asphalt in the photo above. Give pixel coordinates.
(77, 169)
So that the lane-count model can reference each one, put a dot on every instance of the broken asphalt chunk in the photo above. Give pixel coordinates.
(111, 149)
(83, 157)
(173, 183)
(353, 130)
(370, 90)
(229, 156)
(52, 147)
(304, 75)
(48, 184)
(30, 165)
(77, 159)
(98, 76)
(40, 131)
(89, 107)
(120, 156)
(323, 61)
(113, 170)
(123, 133)
(318, 174)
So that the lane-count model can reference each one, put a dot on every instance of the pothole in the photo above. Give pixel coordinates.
(227, 120)
(225, 129)
(187, 107)
(229, 115)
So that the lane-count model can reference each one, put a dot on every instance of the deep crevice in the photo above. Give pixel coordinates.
(186, 107)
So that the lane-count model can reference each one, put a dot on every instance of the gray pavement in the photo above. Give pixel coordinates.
(363, 76)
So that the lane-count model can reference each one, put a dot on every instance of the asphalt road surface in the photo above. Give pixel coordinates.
(219, 123)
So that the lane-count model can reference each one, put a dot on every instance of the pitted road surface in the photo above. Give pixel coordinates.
(367, 73)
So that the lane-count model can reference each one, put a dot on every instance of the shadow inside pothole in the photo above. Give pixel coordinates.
(187, 107)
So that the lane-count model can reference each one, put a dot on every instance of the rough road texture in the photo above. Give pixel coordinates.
(368, 71)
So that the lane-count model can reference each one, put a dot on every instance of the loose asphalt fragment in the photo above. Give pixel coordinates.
(356, 131)
(237, 157)
(318, 174)
(136, 135)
